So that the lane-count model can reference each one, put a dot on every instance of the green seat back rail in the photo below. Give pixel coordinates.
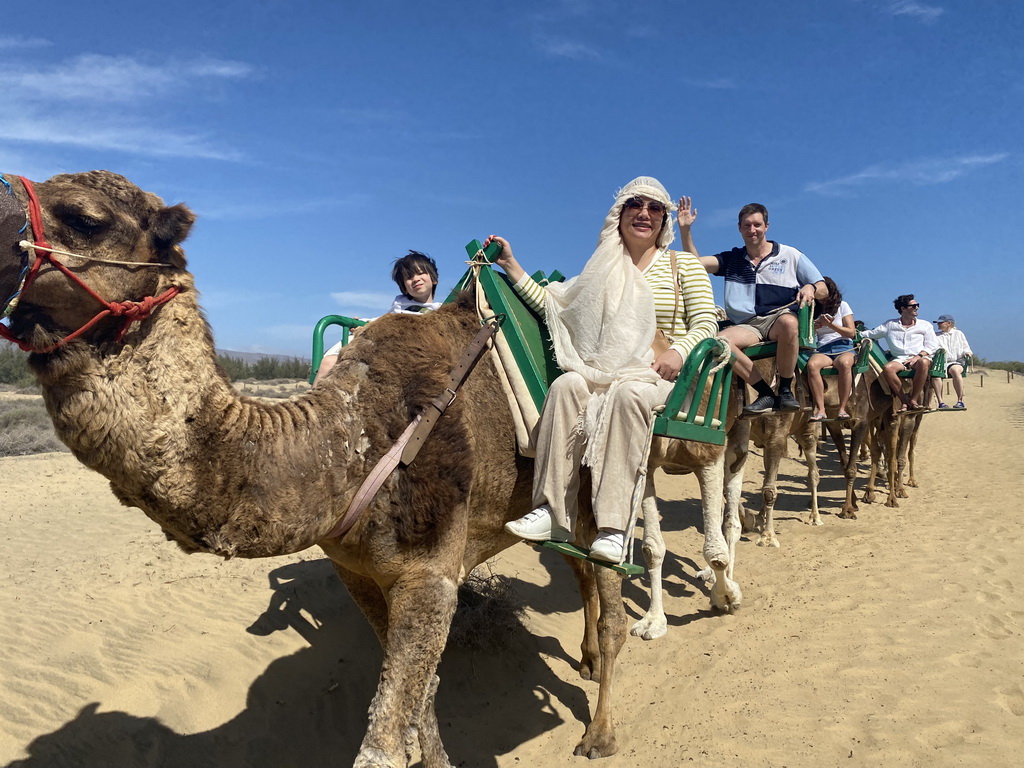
(346, 323)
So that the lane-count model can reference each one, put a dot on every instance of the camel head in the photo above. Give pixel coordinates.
(102, 217)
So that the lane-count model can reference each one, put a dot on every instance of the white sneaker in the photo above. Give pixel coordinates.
(539, 525)
(609, 546)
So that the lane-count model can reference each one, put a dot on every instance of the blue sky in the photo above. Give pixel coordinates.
(319, 141)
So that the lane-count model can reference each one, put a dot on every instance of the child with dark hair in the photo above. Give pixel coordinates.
(415, 274)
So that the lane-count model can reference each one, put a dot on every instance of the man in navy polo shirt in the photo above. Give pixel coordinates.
(765, 282)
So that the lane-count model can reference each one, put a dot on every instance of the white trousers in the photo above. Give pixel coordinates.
(561, 444)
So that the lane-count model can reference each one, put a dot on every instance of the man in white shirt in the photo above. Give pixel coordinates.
(911, 342)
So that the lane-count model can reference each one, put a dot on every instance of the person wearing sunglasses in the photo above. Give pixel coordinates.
(599, 412)
(958, 352)
(765, 282)
(911, 343)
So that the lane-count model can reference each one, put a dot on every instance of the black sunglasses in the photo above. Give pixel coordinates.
(913, 306)
(637, 204)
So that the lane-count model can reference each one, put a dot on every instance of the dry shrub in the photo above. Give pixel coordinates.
(489, 614)
(25, 428)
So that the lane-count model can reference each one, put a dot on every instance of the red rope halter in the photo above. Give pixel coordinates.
(129, 310)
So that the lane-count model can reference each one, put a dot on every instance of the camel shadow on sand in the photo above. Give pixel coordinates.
(310, 708)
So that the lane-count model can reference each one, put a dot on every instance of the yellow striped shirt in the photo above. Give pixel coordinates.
(696, 319)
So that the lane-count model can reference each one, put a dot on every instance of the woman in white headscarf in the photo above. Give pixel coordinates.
(602, 323)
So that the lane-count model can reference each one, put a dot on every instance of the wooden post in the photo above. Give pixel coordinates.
(1009, 375)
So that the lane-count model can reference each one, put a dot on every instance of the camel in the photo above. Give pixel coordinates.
(888, 435)
(717, 468)
(136, 394)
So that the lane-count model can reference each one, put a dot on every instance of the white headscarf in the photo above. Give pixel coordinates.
(602, 322)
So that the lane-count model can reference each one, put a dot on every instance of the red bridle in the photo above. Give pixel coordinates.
(129, 310)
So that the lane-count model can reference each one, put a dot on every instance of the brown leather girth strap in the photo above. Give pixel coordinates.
(408, 445)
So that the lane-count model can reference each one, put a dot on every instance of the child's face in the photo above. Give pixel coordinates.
(419, 287)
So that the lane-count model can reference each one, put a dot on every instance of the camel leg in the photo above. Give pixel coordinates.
(775, 446)
(421, 604)
(721, 532)
(838, 440)
(890, 451)
(912, 452)
(737, 448)
(849, 511)
(599, 738)
(654, 624)
(590, 652)
(809, 443)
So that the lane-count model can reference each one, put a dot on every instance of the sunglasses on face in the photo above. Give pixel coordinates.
(913, 306)
(637, 204)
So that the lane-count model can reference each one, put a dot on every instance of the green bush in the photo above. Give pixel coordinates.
(265, 368)
(14, 367)
(25, 428)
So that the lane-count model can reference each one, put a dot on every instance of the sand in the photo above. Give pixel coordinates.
(895, 639)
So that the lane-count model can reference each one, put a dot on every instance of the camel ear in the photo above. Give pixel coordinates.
(169, 226)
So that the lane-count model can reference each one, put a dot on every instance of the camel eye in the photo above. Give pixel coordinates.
(79, 220)
(84, 223)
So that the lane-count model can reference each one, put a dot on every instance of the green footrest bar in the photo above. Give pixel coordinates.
(564, 548)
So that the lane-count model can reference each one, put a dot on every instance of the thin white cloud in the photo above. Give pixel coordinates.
(107, 132)
(11, 43)
(712, 83)
(921, 172)
(363, 299)
(112, 103)
(921, 11)
(120, 79)
(563, 48)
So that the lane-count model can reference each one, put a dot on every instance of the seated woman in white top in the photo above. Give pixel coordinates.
(835, 331)
(415, 274)
(603, 322)
(957, 348)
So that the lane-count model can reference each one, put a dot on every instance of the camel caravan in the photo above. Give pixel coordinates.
(404, 463)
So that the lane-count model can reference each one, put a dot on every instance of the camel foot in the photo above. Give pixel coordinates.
(901, 493)
(868, 497)
(911, 482)
(748, 520)
(596, 746)
(891, 502)
(815, 520)
(768, 539)
(726, 595)
(707, 575)
(650, 627)
(848, 514)
(590, 671)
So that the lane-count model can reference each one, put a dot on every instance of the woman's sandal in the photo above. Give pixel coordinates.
(842, 415)
(817, 417)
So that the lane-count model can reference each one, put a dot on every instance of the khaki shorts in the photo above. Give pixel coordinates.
(761, 324)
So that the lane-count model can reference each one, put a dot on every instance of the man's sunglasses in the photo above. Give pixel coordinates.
(913, 306)
(637, 204)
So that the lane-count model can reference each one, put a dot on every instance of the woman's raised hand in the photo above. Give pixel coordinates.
(686, 213)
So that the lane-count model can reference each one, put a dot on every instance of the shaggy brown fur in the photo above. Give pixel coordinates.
(232, 476)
